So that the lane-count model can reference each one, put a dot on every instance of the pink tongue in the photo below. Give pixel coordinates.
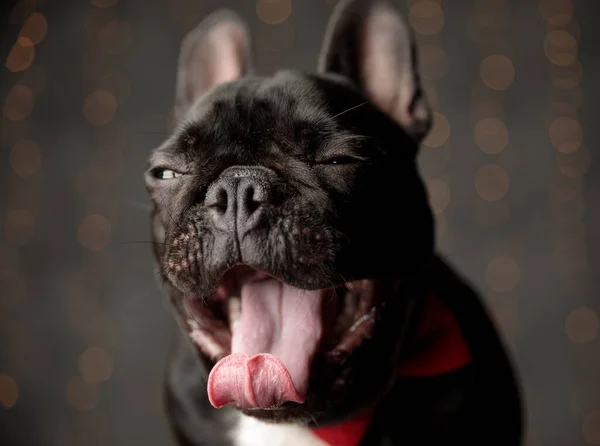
(272, 347)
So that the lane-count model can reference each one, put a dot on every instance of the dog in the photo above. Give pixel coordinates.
(293, 232)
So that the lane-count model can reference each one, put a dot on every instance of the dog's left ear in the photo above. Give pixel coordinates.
(368, 42)
(216, 51)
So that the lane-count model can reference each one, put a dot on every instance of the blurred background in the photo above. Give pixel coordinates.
(86, 91)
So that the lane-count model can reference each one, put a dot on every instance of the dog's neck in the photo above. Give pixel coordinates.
(438, 348)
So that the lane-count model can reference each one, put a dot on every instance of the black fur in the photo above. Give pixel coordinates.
(327, 191)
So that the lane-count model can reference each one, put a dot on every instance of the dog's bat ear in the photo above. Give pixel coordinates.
(218, 50)
(368, 42)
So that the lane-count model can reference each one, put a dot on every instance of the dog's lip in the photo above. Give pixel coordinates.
(212, 334)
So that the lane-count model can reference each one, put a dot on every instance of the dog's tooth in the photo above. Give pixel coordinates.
(235, 311)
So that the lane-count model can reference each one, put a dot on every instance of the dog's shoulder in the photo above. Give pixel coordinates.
(252, 432)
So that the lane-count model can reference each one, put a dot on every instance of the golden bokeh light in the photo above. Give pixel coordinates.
(439, 133)
(439, 195)
(591, 428)
(566, 77)
(104, 3)
(19, 103)
(560, 47)
(433, 61)
(497, 72)
(566, 134)
(81, 395)
(115, 37)
(574, 165)
(19, 226)
(581, 325)
(96, 365)
(35, 28)
(503, 274)
(94, 232)
(273, 12)
(9, 391)
(491, 135)
(21, 55)
(491, 182)
(100, 107)
(12, 288)
(25, 158)
(556, 12)
(426, 17)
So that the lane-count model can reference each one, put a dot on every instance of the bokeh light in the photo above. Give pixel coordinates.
(25, 158)
(94, 232)
(19, 103)
(560, 47)
(556, 12)
(96, 365)
(491, 182)
(100, 107)
(497, 72)
(439, 133)
(35, 28)
(81, 395)
(9, 391)
(491, 135)
(439, 195)
(273, 12)
(581, 325)
(21, 55)
(574, 165)
(566, 77)
(503, 274)
(19, 226)
(426, 17)
(566, 134)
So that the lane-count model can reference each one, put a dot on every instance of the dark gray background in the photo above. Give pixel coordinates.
(58, 297)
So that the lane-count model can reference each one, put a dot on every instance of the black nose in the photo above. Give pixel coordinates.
(235, 201)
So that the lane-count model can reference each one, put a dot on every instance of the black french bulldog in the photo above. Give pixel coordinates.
(294, 234)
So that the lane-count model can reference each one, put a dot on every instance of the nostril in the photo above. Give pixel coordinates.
(220, 201)
(250, 199)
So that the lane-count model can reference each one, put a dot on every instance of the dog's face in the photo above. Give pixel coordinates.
(288, 213)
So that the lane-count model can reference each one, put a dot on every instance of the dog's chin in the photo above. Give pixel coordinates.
(344, 374)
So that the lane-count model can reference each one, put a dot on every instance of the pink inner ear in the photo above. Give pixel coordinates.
(387, 70)
(226, 55)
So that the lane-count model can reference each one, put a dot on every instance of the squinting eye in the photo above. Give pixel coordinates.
(342, 160)
(166, 174)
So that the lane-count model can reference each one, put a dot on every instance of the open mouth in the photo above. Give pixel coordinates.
(263, 334)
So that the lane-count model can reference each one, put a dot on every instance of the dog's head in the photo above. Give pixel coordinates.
(288, 213)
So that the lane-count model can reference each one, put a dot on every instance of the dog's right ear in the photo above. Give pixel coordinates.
(216, 51)
(368, 42)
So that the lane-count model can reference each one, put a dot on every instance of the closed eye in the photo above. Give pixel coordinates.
(342, 159)
(162, 173)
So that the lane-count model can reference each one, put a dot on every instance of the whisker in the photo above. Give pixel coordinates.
(349, 109)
